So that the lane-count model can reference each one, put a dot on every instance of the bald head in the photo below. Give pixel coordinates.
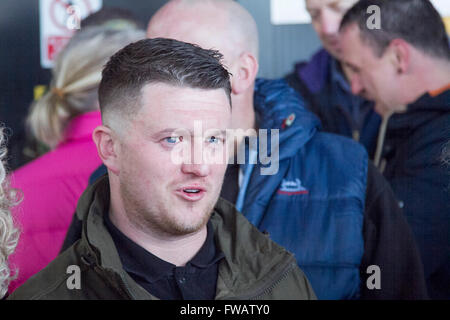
(223, 25)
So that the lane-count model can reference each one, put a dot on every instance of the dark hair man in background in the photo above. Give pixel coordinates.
(323, 84)
(154, 228)
(405, 67)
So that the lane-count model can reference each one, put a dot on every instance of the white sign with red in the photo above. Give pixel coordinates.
(58, 20)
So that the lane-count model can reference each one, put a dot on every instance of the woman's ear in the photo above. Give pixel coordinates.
(245, 73)
(108, 147)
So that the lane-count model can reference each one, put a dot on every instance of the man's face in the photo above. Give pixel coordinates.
(159, 191)
(326, 17)
(375, 78)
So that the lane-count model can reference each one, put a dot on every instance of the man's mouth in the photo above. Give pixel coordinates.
(192, 190)
(191, 193)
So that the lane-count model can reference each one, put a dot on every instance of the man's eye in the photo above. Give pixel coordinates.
(214, 139)
(173, 140)
(314, 14)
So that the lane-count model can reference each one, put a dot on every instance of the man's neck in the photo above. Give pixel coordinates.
(243, 113)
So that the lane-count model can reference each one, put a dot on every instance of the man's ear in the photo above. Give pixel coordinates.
(107, 147)
(245, 72)
(400, 54)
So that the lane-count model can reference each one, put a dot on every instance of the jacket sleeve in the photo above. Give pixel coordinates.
(293, 286)
(388, 244)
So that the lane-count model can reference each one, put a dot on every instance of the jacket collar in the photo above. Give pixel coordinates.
(421, 111)
(252, 261)
(315, 72)
(275, 102)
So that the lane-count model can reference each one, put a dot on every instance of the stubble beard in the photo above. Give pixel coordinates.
(156, 218)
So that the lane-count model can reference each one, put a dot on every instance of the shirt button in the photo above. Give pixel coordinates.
(182, 280)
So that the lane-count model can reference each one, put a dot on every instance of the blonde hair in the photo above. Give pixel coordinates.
(9, 234)
(75, 80)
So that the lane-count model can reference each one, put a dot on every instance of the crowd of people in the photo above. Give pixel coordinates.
(357, 208)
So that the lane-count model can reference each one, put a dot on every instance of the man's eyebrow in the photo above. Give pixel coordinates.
(170, 131)
(350, 65)
(334, 4)
(217, 131)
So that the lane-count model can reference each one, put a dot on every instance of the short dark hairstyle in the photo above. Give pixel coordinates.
(158, 60)
(415, 21)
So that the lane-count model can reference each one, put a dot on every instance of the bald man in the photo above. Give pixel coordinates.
(326, 203)
(323, 84)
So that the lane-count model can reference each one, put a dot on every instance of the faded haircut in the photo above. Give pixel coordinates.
(157, 60)
(415, 21)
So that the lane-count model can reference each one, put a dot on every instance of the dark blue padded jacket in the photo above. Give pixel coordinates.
(310, 207)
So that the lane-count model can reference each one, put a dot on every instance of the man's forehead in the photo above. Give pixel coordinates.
(169, 107)
(353, 48)
(351, 36)
(183, 98)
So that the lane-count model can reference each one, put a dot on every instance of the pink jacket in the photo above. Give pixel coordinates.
(51, 186)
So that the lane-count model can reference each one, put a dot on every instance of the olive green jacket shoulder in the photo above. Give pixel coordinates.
(254, 267)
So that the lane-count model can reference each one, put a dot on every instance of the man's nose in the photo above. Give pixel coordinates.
(200, 170)
(330, 22)
(357, 87)
(197, 164)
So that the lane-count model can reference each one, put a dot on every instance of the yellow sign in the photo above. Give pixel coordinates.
(447, 24)
(39, 91)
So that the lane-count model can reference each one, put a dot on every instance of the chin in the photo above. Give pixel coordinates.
(189, 227)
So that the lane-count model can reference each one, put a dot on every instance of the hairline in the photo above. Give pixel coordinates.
(110, 117)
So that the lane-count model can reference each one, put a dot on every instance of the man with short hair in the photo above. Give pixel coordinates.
(326, 203)
(407, 69)
(154, 227)
(323, 84)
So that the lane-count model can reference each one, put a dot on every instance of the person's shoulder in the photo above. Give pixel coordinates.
(320, 58)
(334, 145)
(327, 152)
(51, 282)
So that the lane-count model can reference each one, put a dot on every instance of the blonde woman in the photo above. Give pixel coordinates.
(63, 119)
(9, 235)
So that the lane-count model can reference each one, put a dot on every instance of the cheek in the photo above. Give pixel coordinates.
(147, 161)
(384, 80)
(217, 175)
(317, 25)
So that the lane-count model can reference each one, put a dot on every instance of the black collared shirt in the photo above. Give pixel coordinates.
(196, 280)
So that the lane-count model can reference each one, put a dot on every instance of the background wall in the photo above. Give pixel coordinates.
(280, 47)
